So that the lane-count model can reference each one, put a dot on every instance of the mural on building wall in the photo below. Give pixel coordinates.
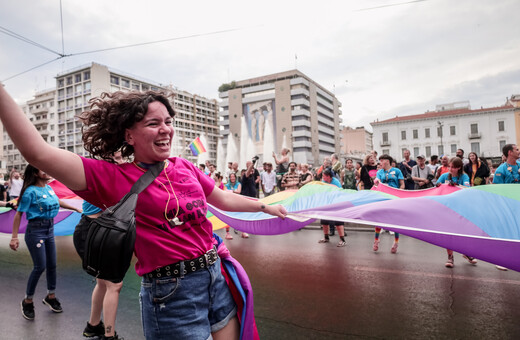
(260, 119)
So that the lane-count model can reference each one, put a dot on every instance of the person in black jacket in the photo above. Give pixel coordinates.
(476, 169)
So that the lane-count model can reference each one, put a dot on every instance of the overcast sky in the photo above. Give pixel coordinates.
(381, 58)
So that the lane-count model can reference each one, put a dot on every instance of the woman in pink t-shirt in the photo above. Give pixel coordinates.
(172, 230)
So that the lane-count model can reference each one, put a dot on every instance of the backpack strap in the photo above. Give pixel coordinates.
(147, 178)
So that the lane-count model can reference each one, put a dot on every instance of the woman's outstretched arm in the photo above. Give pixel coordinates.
(63, 165)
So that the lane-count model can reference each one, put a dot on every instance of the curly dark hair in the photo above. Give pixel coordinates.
(111, 114)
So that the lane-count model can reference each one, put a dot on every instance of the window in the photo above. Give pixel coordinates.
(440, 150)
(453, 148)
(61, 83)
(52, 138)
(501, 145)
(386, 152)
(452, 130)
(403, 135)
(125, 82)
(501, 125)
(385, 137)
(474, 129)
(86, 75)
(87, 86)
(475, 147)
(69, 80)
(415, 134)
(135, 86)
(415, 152)
(428, 151)
(427, 132)
(77, 78)
(114, 80)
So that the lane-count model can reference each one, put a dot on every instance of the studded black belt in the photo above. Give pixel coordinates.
(174, 270)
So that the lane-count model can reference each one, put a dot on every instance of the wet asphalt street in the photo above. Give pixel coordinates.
(303, 290)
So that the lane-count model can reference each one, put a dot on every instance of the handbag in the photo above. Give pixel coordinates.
(109, 245)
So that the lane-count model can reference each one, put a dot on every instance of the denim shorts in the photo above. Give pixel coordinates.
(189, 307)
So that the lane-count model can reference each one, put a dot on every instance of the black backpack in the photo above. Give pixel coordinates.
(111, 237)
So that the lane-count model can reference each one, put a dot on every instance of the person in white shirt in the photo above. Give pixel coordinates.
(15, 184)
(268, 179)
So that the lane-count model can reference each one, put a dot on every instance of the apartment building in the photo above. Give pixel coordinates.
(55, 112)
(286, 109)
(356, 142)
(41, 111)
(450, 127)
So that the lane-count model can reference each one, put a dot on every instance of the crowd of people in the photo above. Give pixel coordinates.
(409, 174)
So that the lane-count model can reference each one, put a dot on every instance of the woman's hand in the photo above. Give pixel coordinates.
(275, 210)
(14, 244)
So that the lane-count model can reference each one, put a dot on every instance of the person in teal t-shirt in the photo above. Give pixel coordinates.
(394, 178)
(327, 177)
(455, 176)
(40, 204)
(509, 171)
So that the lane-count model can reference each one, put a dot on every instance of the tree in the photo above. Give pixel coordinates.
(226, 87)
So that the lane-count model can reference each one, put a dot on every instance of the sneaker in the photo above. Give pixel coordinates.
(376, 245)
(245, 235)
(394, 248)
(53, 304)
(342, 243)
(501, 268)
(27, 310)
(113, 337)
(324, 240)
(449, 263)
(470, 259)
(92, 331)
(229, 236)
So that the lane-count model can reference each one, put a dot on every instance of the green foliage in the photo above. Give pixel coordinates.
(226, 87)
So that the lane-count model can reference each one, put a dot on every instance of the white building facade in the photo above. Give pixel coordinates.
(451, 127)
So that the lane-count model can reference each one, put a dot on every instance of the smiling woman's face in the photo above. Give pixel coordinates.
(152, 136)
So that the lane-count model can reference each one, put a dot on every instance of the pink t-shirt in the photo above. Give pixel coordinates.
(157, 243)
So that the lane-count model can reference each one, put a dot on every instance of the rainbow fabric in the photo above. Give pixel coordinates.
(197, 147)
(482, 222)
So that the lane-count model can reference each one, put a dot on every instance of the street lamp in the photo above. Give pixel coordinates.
(440, 135)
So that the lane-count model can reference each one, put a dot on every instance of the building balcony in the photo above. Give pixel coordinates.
(301, 133)
(44, 132)
(41, 110)
(302, 144)
(300, 90)
(301, 122)
(474, 135)
(39, 122)
(300, 101)
(385, 143)
(300, 112)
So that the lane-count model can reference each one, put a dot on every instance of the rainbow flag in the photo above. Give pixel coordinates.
(197, 147)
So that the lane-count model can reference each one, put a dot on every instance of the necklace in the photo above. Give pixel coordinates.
(171, 221)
